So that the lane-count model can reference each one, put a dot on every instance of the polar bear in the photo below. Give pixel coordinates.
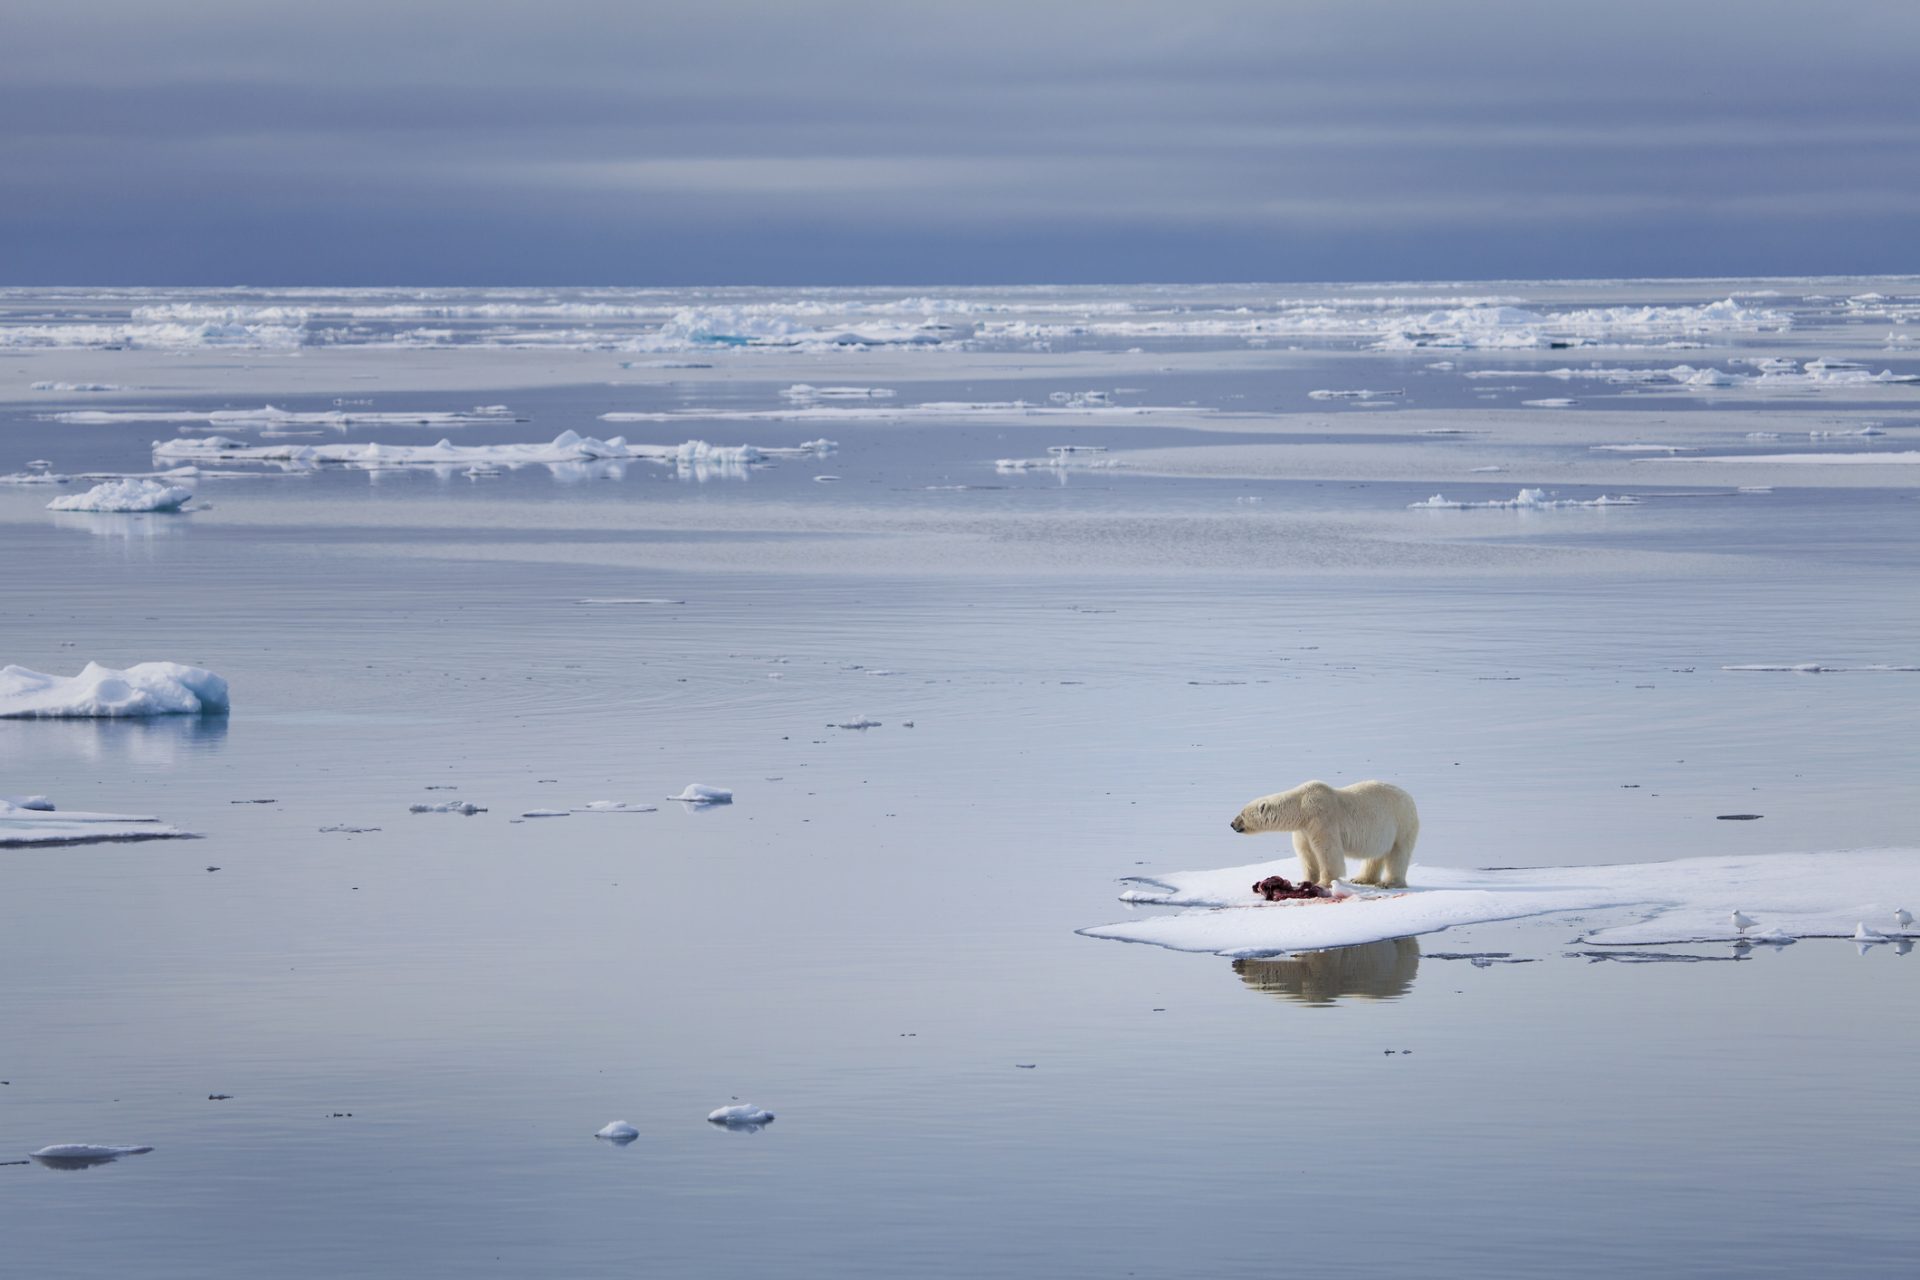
(1373, 821)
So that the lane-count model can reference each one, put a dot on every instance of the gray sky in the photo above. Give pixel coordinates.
(656, 142)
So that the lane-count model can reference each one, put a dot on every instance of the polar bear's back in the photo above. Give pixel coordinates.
(1375, 816)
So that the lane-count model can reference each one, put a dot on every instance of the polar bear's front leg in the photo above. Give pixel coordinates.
(1325, 859)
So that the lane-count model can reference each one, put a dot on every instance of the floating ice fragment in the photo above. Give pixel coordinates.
(697, 793)
(1813, 668)
(125, 495)
(466, 807)
(861, 723)
(741, 1115)
(145, 689)
(1353, 395)
(1862, 933)
(614, 806)
(803, 391)
(628, 600)
(618, 1131)
(1526, 500)
(79, 1155)
(1550, 404)
(548, 813)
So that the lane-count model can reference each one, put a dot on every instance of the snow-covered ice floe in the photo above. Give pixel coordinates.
(32, 820)
(1908, 457)
(740, 1116)
(1785, 895)
(1525, 500)
(1773, 375)
(1812, 668)
(618, 1131)
(126, 495)
(1358, 394)
(270, 416)
(568, 446)
(698, 793)
(807, 391)
(805, 410)
(146, 689)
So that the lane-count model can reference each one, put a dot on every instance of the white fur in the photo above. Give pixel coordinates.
(1375, 822)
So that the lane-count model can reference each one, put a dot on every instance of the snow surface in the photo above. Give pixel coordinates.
(146, 689)
(125, 495)
(1790, 895)
(698, 793)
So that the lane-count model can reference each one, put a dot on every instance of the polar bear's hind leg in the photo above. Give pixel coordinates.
(1370, 872)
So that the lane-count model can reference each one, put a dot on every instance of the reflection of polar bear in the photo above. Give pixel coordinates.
(1370, 971)
(1373, 821)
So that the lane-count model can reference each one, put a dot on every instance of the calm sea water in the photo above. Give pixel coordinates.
(1077, 677)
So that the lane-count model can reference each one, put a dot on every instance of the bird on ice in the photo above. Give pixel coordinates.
(1742, 921)
(1903, 917)
(1863, 934)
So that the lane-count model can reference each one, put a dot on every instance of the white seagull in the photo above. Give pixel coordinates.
(1903, 917)
(1742, 921)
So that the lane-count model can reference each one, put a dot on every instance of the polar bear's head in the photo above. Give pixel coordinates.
(1281, 811)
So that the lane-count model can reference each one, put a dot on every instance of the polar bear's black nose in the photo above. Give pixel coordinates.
(1238, 825)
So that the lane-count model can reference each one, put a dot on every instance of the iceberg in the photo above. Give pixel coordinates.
(147, 689)
(1689, 900)
(126, 495)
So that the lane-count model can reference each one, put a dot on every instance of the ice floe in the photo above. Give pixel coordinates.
(1525, 500)
(126, 495)
(33, 820)
(1772, 375)
(146, 689)
(547, 813)
(700, 794)
(618, 1131)
(76, 386)
(568, 446)
(614, 806)
(1788, 895)
(35, 477)
(930, 409)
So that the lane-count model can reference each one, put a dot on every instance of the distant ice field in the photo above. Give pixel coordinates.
(1081, 572)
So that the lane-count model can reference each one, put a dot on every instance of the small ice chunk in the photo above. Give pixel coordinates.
(548, 813)
(740, 1115)
(1864, 933)
(447, 806)
(615, 806)
(125, 495)
(698, 793)
(618, 1131)
(86, 1151)
(860, 723)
